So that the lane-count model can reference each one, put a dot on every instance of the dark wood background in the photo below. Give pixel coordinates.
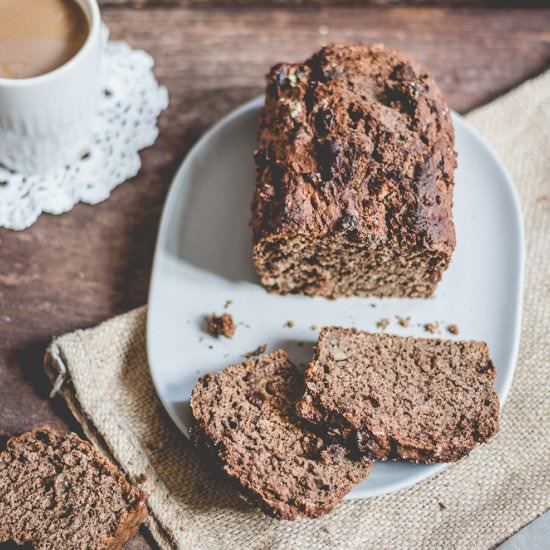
(78, 269)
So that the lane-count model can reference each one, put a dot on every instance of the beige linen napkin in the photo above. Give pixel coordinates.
(476, 503)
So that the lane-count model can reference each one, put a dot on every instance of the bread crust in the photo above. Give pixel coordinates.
(356, 142)
(129, 524)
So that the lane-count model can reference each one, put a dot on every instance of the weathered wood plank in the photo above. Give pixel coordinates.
(220, 54)
(334, 3)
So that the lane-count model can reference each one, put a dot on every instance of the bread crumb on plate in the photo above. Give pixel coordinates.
(222, 325)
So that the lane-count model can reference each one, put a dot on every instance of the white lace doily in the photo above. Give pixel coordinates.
(130, 104)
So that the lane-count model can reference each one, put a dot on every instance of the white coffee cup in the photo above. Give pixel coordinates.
(46, 121)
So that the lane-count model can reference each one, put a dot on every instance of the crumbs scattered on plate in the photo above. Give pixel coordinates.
(432, 328)
(258, 351)
(403, 321)
(453, 329)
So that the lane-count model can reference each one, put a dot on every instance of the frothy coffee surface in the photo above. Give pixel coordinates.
(38, 36)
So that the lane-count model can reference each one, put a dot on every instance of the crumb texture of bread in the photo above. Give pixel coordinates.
(354, 177)
(56, 491)
(246, 416)
(393, 397)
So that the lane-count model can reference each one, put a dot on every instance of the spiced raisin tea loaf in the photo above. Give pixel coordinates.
(56, 491)
(354, 177)
(245, 415)
(419, 399)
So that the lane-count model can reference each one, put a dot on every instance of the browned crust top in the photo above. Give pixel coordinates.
(356, 139)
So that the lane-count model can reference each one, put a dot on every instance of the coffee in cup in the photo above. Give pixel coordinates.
(39, 36)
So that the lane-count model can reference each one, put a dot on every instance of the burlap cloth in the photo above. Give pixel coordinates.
(476, 503)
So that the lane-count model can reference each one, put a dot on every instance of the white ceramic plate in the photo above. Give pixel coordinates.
(203, 259)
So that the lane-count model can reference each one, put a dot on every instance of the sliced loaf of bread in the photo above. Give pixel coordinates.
(56, 491)
(391, 397)
(246, 415)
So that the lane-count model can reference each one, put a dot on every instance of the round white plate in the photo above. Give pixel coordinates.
(203, 259)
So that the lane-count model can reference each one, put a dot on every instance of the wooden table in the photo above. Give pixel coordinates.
(78, 269)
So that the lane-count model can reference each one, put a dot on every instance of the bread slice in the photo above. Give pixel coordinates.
(418, 399)
(246, 416)
(56, 491)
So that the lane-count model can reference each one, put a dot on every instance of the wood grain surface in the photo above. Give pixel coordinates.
(78, 269)
(336, 3)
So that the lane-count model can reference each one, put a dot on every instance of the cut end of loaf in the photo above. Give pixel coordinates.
(341, 265)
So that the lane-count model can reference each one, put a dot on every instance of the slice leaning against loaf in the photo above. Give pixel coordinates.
(57, 491)
(246, 415)
(391, 397)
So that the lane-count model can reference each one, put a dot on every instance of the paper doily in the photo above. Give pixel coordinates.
(126, 122)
